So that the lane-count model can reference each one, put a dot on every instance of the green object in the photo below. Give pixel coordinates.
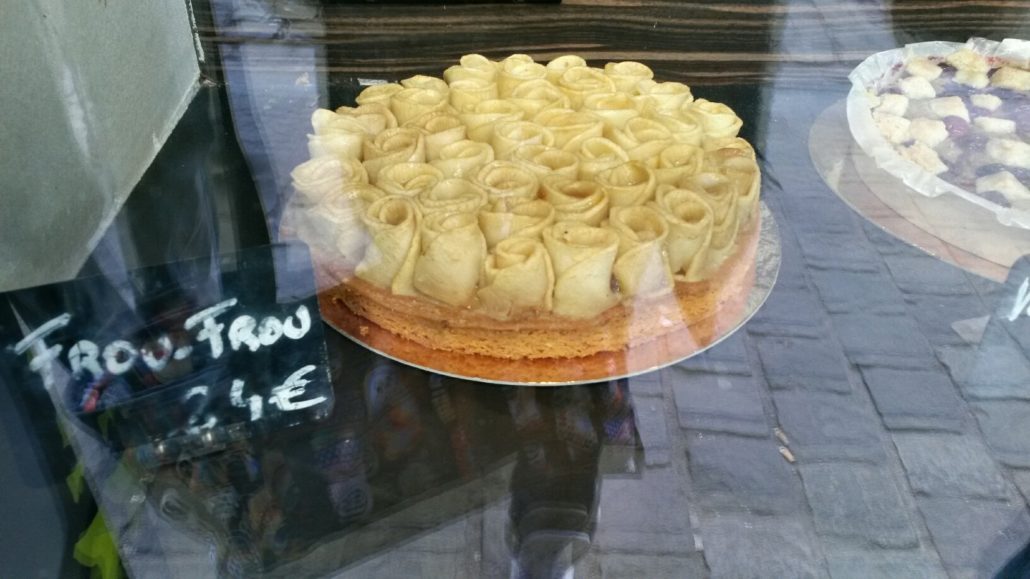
(76, 482)
(96, 549)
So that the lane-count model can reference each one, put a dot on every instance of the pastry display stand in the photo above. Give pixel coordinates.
(946, 227)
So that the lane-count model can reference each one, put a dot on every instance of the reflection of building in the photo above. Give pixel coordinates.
(406, 452)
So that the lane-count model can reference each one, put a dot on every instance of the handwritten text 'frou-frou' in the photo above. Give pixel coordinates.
(119, 356)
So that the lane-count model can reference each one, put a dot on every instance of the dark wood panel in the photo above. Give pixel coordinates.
(698, 43)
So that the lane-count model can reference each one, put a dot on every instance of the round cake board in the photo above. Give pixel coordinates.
(763, 246)
(946, 227)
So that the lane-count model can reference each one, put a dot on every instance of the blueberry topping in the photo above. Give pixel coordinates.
(989, 169)
(951, 88)
(975, 111)
(957, 126)
(1022, 117)
(996, 198)
(1023, 175)
(973, 142)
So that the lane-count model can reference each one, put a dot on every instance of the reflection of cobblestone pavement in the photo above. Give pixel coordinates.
(830, 437)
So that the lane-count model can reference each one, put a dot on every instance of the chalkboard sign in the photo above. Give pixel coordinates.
(176, 360)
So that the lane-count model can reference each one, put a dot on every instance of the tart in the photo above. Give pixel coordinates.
(949, 117)
(525, 210)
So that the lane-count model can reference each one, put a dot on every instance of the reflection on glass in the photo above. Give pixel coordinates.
(398, 440)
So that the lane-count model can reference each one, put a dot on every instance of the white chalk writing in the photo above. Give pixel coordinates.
(119, 356)
(285, 395)
(210, 330)
(245, 331)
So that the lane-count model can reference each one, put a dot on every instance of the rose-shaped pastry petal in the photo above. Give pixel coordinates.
(389, 262)
(474, 66)
(503, 179)
(517, 277)
(339, 218)
(374, 118)
(746, 178)
(452, 254)
(514, 217)
(724, 233)
(485, 116)
(573, 200)
(378, 93)
(523, 153)
(718, 120)
(392, 146)
(678, 162)
(583, 258)
(627, 75)
(408, 179)
(614, 109)
(558, 66)
(321, 119)
(354, 172)
(463, 158)
(738, 165)
(342, 145)
(410, 103)
(440, 129)
(452, 196)
(332, 195)
(467, 93)
(570, 128)
(423, 81)
(716, 190)
(324, 177)
(631, 183)
(642, 139)
(543, 160)
(690, 232)
(730, 147)
(336, 135)
(641, 267)
(580, 81)
(599, 154)
(511, 135)
(663, 97)
(685, 128)
(518, 69)
(538, 95)
(359, 194)
(719, 193)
